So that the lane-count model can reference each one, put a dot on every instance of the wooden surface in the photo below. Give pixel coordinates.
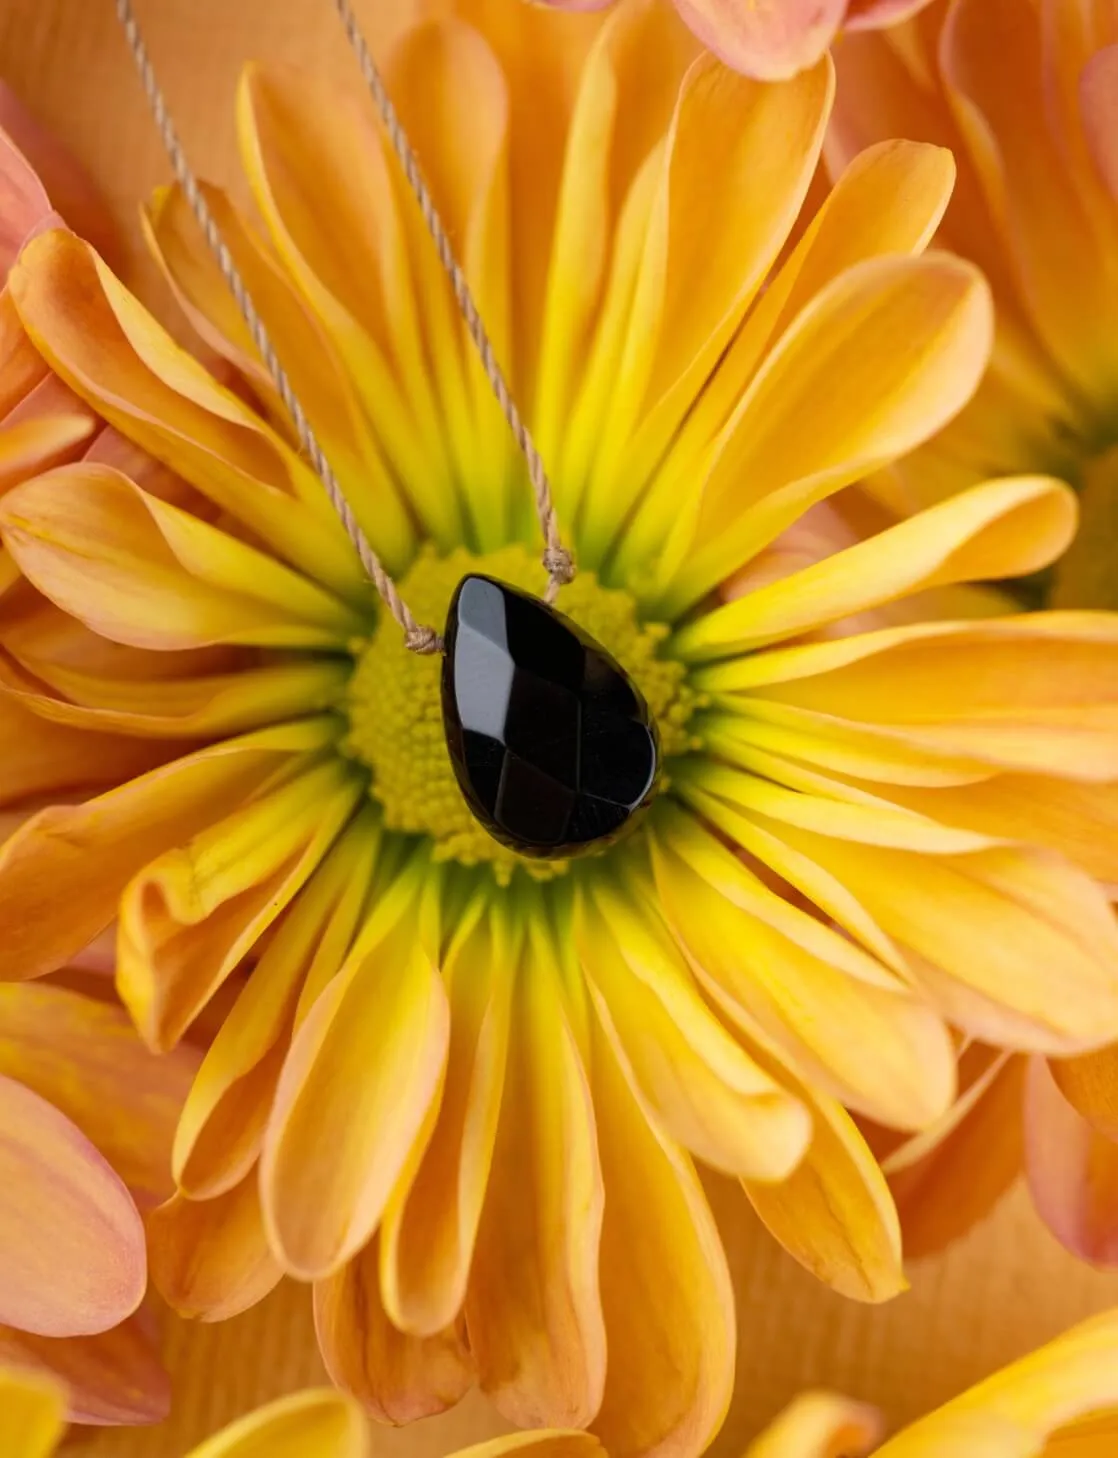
(1004, 1289)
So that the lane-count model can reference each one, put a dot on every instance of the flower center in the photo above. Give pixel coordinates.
(395, 709)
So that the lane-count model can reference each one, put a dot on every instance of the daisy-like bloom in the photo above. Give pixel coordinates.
(772, 40)
(1059, 1402)
(1026, 94)
(458, 1091)
(87, 1116)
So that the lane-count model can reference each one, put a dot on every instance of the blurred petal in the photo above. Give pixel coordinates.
(72, 1243)
(534, 1305)
(113, 354)
(1003, 529)
(210, 1258)
(64, 870)
(23, 200)
(396, 1377)
(1090, 1085)
(112, 1378)
(354, 1097)
(1099, 99)
(555, 1443)
(1072, 1171)
(819, 1425)
(770, 39)
(327, 1424)
(1010, 1414)
(140, 571)
(83, 1056)
(190, 915)
(31, 1414)
(911, 334)
(666, 1290)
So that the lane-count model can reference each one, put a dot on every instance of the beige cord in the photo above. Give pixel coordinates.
(556, 559)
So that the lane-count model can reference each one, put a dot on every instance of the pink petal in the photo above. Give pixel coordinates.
(767, 39)
(59, 178)
(1098, 98)
(1072, 1171)
(874, 14)
(113, 1378)
(72, 1257)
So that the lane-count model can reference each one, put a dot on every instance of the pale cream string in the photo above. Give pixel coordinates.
(556, 559)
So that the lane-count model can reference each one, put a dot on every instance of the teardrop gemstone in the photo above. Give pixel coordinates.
(552, 744)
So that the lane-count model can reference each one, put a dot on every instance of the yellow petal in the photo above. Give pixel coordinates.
(1032, 1400)
(324, 388)
(364, 1069)
(397, 1378)
(835, 1214)
(910, 334)
(1090, 1085)
(740, 156)
(704, 1087)
(209, 1258)
(31, 1410)
(190, 915)
(141, 571)
(430, 1227)
(555, 1443)
(32, 446)
(534, 1305)
(65, 868)
(327, 1424)
(1037, 692)
(114, 356)
(71, 1241)
(666, 1288)
(1003, 529)
(83, 1056)
(839, 1018)
(222, 1127)
(112, 1378)
(819, 1425)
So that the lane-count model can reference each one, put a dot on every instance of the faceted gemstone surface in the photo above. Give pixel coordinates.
(552, 744)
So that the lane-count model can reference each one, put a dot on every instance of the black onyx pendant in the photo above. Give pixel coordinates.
(552, 744)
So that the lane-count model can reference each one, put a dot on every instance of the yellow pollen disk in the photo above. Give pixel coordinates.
(395, 711)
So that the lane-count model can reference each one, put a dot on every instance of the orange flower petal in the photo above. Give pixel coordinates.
(28, 447)
(31, 1414)
(83, 1057)
(819, 1425)
(1090, 1085)
(26, 204)
(534, 1307)
(364, 1071)
(222, 1127)
(210, 1258)
(556, 1443)
(72, 1244)
(431, 1226)
(190, 915)
(327, 1424)
(1072, 1170)
(666, 1290)
(1099, 98)
(773, 39)
(114, 355)
(397, 1378)
(112, 1378)
(65, 869)
(141, 571)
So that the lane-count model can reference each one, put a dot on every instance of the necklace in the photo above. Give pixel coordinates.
(553, 746)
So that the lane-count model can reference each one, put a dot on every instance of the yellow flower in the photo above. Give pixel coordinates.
(1059, 1402)
(459, 1092)
(1024, 92)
